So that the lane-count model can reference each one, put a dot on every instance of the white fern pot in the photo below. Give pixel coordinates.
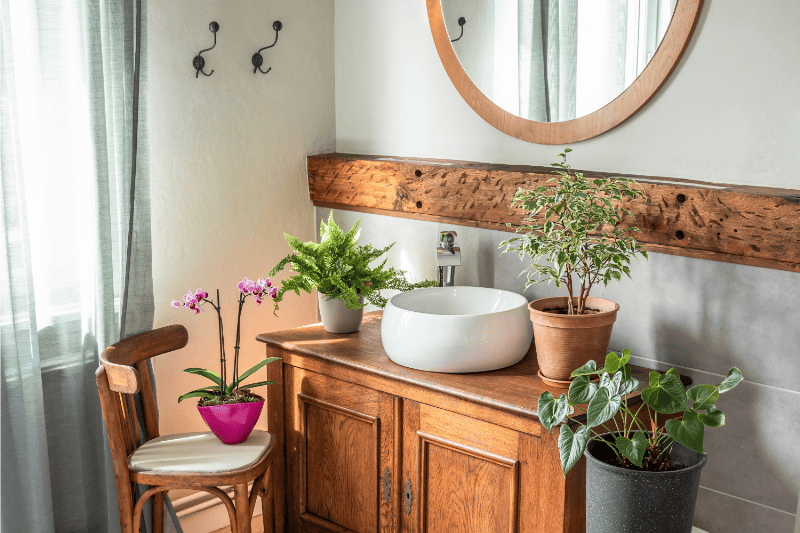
(336, 317)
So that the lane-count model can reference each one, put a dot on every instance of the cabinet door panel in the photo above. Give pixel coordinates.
(464, 473)
(340, 441)
(340, 454)
(464, 489)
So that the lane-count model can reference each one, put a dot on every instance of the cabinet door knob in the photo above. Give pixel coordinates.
(387, 485)
(408, 496)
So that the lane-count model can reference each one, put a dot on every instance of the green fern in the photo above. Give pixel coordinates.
(339, 268)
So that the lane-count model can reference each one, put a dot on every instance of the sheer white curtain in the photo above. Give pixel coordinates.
(71, 179)
(548, 42)
(577, 56)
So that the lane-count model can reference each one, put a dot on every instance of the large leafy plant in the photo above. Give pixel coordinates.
(634, 444)
(571, 231)
(339, 268)
(223, 391)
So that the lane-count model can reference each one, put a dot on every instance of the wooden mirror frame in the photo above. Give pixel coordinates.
(616, 112)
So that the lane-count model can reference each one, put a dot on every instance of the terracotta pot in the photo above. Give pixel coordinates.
(566, 342)
(232, 423)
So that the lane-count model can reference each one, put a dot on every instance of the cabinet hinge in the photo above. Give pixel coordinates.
(387, 485)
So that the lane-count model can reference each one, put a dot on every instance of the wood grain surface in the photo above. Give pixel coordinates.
(360, 358)
(731, 223)
(464, 452)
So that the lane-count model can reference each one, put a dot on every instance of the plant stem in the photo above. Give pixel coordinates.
(222, 365)
(238, 334)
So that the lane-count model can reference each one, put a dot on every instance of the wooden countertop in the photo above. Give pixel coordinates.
(515, 389)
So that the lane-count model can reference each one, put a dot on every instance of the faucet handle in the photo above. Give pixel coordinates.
(447, 240)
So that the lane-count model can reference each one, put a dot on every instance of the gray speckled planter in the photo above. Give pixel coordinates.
(337, 318)
(630, 501)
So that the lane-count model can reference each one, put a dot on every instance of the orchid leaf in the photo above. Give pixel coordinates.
(251, 371)
(213, 376)
(254, 385)
(198, 393)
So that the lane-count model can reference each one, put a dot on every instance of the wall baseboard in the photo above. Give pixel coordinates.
(201, 512)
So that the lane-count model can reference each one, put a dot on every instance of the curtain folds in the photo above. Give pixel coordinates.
(67, 79)
(548, 57)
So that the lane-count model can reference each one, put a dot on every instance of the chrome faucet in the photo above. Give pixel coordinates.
(448, 257)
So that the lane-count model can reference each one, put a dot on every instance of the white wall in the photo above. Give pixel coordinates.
(728, 114)
(228, 168)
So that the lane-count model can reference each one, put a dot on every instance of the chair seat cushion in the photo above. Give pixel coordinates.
(198, 452)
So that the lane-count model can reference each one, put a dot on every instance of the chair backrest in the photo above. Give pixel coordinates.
(122, 373)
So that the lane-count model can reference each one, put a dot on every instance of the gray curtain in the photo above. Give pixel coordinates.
(76, 260)
(548, 57)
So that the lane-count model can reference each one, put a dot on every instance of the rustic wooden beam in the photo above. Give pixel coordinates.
(741, 224)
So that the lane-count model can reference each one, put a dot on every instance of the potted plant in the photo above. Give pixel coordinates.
(571, 233)
(340, 271)
(230, 409)
(639, 476)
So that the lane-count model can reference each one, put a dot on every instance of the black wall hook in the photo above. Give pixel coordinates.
(257, 60)
(198, 62)
(461, 22)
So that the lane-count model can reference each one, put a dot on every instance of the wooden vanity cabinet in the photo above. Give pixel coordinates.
(340, 441)
(370, 446)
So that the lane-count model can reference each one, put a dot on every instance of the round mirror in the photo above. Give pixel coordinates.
(560, 71)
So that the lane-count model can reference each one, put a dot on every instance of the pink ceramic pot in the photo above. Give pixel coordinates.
(232, 423)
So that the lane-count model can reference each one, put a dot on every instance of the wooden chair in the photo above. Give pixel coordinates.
(187, 461)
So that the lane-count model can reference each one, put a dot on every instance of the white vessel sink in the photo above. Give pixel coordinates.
(456, 329)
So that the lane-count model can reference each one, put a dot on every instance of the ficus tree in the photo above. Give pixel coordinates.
(633, 443)
(571, 231)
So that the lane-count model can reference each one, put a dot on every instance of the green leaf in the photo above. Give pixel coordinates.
(571, 445)
(733, 378)
(252, 370)
(581, 390)
(254, 385)
(213, 376)
(667, 396)
(551, 410)
(611, 384)
(602, 407)
(672, 371)
(712, 418)
(198, 393)
(689, 431)
(590, 368)
(629, 383)
(703, 396)
(633, 449)
(614, 362)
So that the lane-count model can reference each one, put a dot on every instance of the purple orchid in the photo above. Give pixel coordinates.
(260, 289)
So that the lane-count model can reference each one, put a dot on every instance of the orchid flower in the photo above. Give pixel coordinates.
(260, 289)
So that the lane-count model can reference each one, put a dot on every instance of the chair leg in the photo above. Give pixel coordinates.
(242, 503)
(268, 504)
(158, 513)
